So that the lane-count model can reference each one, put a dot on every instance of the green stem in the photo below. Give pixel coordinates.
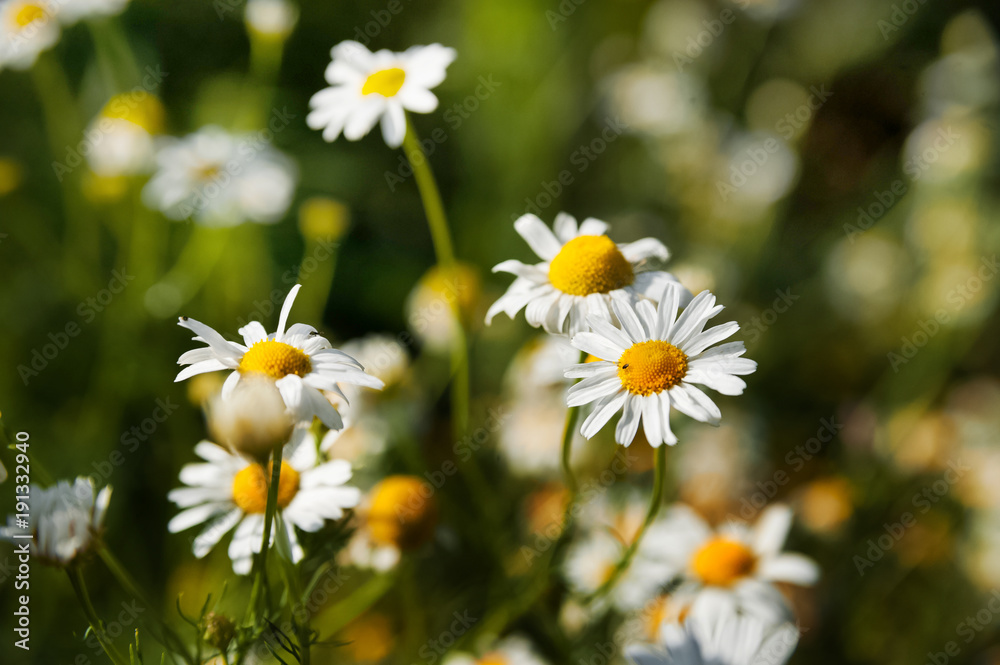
(567, 449)
(303, 632)
(656, 500)
(80, 588)
(260, 564)
(360, 600)
(169, 638)
(431, 198)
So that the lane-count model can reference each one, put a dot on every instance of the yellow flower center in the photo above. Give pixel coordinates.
(142, 109)
(28, 14)
(590, 264)
(651, 367)
(403, 512)
(275, 360)
(494, 658)
(250, 487)
(207, 172)
(386, 82)
(722, 561)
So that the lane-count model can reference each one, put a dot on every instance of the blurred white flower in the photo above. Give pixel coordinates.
(271, 19)
(659, 102)
(299, 361)
(121, 136)
(511, 650)
(221, 179)
(64, 521)
(581, 270)
(227, 490)
(652, 363)
(728, 569)
(727, 640)
(27, 27)
(367, 87)
(71, 11)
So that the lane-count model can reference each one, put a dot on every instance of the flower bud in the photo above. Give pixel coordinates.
(219, 631)
(253, 420)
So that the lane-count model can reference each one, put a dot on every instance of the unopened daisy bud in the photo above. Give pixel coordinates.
(218, 631)
(272, 20)
(253, 420)
(321, 218)
(402, 512)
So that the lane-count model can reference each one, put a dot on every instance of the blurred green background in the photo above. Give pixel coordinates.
(858, 252)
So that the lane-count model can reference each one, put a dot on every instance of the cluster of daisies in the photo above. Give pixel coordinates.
(645, 345)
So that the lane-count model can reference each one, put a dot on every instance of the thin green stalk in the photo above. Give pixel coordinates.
(303, 632)
(80, 588)
(431, 198)
(437, 222)
(260, 563)
(655, 501)
(169, 638)
(567, 450)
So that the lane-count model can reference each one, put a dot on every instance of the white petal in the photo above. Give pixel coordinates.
(628, 426)
(592, 389)
(771, 529)
(253, 332)
(689, 400)
(538, 236)
(791, 568)
(598, 346)
(602, 413)
(393, 125)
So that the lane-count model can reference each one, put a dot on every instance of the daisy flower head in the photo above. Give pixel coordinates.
(227, 491)
(367, 87)
(729, 640)
(581, 270)
(731, 568)
(297, 359)
(652, 361)
(221, 179)
(127, 126)
(271, 20)
(65, 521)
(27, 27)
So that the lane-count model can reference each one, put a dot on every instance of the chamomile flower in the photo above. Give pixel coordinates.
(64, 522)
(367, 87)
(27, 27)
(271, 20)
(652, 363)
(221, 179)
(729, 569)
(227, 491)
(581, 270)
(299, 361)
(730, 640)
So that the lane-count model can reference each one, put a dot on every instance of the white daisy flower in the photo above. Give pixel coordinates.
(71, 11)
(581, 270)
(227, 490)
(511, 650)
(591, 561)
(27, 27)
(367, 87)
(729, 569)
(299, 360)
(652, 362)
(64, 521)
(221, 179)
(731, 640)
